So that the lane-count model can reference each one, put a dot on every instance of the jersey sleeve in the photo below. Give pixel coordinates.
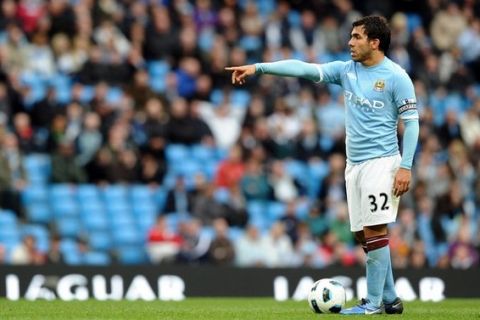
(404, 97)
(331, 72)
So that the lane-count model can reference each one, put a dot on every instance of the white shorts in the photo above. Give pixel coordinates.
(370, 192)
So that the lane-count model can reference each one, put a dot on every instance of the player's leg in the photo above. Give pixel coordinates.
(381, 208)
(354, 200)
(378, 208)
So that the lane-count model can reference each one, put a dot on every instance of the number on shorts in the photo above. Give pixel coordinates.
(373, 202)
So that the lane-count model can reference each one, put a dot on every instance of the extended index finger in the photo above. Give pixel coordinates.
(233, 68)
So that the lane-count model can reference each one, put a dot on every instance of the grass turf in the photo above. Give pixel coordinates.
(218, 308)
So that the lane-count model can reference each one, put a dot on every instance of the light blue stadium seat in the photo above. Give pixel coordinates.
(37, 167)
(142, 194)
(9, 232)
(87, 93)
(34, 194)
(275, 210)
(86, 207)
(158, 67)
(187, 167)
(222, 195)
(64, 207)
(95, 221)
(96, 258)
(160, 198)
(68, 227)
(70, 251)
(115, 193)
(176, 152)
(158, 83)
(234, 233)
(146, 221)
(202, 153)
(125, 235)
(131, 255)
(61, 192)
(87, 193)
(39, 213)
(99, 241)
(8, 219)
(258, 215)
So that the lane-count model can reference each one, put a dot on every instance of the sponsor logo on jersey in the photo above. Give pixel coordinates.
(363, 102)
(379, 85)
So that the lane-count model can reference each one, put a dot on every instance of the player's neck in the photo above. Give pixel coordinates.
(375, 59)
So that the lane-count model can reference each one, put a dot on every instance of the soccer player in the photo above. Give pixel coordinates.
(377, 93)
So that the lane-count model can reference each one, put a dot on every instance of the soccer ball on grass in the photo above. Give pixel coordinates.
(326, 296)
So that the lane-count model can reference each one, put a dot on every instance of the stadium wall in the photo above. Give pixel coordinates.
(180, 282)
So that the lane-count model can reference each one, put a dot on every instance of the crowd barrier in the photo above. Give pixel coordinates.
(171, 282)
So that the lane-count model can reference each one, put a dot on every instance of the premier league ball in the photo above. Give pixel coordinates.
(326, 296)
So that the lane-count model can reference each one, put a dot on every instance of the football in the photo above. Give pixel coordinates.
(326, 296)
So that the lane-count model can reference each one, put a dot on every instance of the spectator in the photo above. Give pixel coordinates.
(277, 246)
(179, 199)
(12, 174)
(26, 253)
(65, 168)
(254, 183)
(205, 207)
(54, 254)
(248, 249)
(230, 170)
(195, 244)
(221, 251)
(285, 187)
(163, 244)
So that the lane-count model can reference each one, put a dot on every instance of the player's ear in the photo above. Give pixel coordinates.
(374, 43)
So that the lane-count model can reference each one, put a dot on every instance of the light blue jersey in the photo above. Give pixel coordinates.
(375, 97)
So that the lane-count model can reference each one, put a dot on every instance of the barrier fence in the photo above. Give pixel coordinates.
(171, 282)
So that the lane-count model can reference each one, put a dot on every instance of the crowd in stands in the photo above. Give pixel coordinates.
(134, 92)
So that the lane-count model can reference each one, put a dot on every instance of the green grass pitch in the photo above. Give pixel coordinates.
(219, 308)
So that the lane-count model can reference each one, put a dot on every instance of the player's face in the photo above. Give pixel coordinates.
(360, 45)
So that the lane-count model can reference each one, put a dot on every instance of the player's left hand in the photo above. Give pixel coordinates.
(401, 184)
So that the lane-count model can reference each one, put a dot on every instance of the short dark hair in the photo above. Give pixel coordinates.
(376, 27)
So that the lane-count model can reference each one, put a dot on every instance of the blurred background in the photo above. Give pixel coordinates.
(124, 142)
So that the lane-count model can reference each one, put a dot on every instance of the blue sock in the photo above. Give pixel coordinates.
(377, 267)
(389, 293)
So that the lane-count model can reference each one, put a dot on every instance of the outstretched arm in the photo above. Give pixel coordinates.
(285, 68)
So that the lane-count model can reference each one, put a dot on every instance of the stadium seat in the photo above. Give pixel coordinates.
(99, 240)
(160, 198)
(68, 227)
(131, 255)
(34, 194)
(87, 193)
(39, 213)
(96, 258)
(257, 214)
(222, 195)
(38, 168)
(64, 207)
(124, 235)
(115, 193)
(176, 152)
(202, 153)
(61, 192)
(142, 194)
(95, 221)
(275, 210)
(8, 219)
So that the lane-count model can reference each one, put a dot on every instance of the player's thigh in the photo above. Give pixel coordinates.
(353, 198)
(379, 205)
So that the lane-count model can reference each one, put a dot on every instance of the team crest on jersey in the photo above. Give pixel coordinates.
(379, 85)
